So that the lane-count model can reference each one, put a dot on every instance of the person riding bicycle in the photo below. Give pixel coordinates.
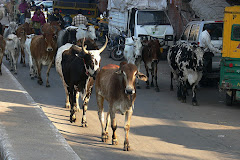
(207, 46)
(79, 19)
(56, 17)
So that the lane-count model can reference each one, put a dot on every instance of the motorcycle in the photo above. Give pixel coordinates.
(116, 45)
(67, 20)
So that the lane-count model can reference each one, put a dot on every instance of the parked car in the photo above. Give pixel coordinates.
(192, 33)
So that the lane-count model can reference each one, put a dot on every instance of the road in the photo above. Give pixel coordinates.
(161, 126)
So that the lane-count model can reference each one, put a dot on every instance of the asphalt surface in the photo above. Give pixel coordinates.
(161, 126)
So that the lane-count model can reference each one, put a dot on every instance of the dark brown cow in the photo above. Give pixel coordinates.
(150, 54)
(22, 32)
(91, 44)
(117, 85)
(43, 50)
(2, 50)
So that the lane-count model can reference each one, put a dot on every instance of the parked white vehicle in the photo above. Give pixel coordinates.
(193, 31)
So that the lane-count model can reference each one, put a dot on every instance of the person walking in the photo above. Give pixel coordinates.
(23, 8)
(56, 16)
(79, 19)
(38, 20)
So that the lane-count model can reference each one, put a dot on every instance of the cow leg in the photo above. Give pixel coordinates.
(85, 106)
(67, 105)
(155, 76)
(147, 82)
(152, 74)
(14, 61)
(48, 70)
(39, 68)
(100, 101)
(127, 128)
(1, 57)
(72, 95)
(23, 57)
(11, 61)
(194, 98)
(107, 124)
(77, 102)
(171, 85)
(184, 91)
(138, 64)
(114, 126)
(179, 91)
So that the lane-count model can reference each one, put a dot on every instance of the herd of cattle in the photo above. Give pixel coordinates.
(77, 61)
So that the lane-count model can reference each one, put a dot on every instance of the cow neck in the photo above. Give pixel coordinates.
(84, 63)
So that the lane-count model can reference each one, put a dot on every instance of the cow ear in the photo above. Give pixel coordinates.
(141, 76)
(119, 71)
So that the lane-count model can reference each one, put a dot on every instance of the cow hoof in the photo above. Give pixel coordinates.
(104, 137)
(47, 85)
(183, 100)
(114, 142)
(84, 125)
(40, 82)
(147, 87)
(157, 89)
(138, 87)
(194, 103)
(73, 119)
(32, 77)
(78, 109)
(127, 147)
(11, 69)
(67, 105)
(15, 73)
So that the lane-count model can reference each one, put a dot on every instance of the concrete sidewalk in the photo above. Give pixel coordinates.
(25, 131)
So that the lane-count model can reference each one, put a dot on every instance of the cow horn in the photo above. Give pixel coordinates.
(103, 47)
(84, 49)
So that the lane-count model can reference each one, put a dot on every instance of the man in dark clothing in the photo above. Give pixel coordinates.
(56, 17)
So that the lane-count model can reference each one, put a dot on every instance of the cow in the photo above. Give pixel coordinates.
(67, 35)
(43, 50)
(150, 54)
(13, 48)
(186, 63)
(27, 51)
(2, 50)
(91, 44)
(76, 65)
(22, 32)
(117, 85)
(133, 52)
(87, 32)
(56, 26)
(10, 30)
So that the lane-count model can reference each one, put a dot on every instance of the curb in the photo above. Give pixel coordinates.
(6, 150)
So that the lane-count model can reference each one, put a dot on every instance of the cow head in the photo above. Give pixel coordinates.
(91, 32)
(130, 73)
(12, 27)
(93, 66)
(49, 35)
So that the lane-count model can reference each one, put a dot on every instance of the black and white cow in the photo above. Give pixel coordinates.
(76, 66)
(67, 35)
(186, 63)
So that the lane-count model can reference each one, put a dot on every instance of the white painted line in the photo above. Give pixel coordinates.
(7, 149)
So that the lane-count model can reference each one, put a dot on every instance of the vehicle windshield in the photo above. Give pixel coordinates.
(152, 18)
(217, 33)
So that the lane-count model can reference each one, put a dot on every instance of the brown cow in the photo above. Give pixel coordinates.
(22, 32)
(117, 85)
(43, 50)
(150, 54)
(2, 50)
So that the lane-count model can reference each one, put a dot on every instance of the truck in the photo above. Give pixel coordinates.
(146, 19)
(71, 7)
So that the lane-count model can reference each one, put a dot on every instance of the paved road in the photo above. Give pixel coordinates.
(161, 126)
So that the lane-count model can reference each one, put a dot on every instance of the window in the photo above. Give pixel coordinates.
(217, 31)
(152, 18)
(235, 35)
(185, 33)
(194, 33)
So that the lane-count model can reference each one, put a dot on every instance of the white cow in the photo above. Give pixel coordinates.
(13, 50)
(133, 52)
(28, 52)
(10, 30)
(87, 32)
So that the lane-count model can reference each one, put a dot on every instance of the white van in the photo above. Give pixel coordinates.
(192, 33)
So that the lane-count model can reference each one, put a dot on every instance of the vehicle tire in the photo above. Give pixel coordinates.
(229, 99)
(117, 53)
